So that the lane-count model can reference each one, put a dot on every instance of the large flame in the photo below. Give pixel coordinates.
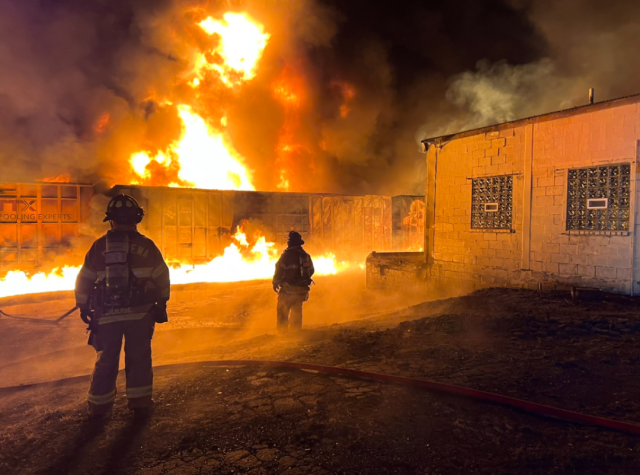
(20, 283)
(201, 158)
(236, 53)
(289, 90)
(203, 155)
(241, 261)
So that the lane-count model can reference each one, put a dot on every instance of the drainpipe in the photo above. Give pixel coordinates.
(632, 219)
(432, 151)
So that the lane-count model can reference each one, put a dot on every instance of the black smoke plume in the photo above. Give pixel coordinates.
(85, 83)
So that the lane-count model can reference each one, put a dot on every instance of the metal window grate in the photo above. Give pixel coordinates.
(610, 184)
(492, 191)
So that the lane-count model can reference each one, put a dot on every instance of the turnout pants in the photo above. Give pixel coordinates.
(137, 356)
(290, 300)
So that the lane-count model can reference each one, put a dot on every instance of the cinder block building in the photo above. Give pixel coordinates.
(548, 200)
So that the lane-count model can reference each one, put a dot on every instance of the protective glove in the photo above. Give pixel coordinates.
(85, 315)
(276, 288)
(159, 312)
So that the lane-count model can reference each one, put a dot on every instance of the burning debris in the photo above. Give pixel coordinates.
(186, 143)
(242, 260)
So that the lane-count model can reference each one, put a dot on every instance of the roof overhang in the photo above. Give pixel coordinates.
(622, 101)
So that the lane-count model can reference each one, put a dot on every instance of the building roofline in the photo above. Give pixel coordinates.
(561, 114)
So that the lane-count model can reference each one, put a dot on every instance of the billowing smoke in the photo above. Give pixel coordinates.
(84, 85)
(586, 46)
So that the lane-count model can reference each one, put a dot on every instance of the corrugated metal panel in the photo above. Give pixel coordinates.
(191, 225)
(195, 225)
(38, 219)
(188, 225)
(408, 222)
(274, 213)
(351, 223)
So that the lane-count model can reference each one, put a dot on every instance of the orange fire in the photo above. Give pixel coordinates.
(289, 90)
(241, 261)
(236, 51)
(64, 178)
(203, 156)
(348, 93)
(102, 123)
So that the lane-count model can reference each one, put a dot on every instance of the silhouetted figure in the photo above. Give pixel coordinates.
(291, 281)
(122, 291)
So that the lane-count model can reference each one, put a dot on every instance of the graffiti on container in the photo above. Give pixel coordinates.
(25, 210)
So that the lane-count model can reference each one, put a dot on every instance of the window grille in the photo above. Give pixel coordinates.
(598, 198)
(492, 202)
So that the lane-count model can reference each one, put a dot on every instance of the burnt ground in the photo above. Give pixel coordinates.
(539, 346)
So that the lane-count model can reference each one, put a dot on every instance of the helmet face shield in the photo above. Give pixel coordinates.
(124, 209)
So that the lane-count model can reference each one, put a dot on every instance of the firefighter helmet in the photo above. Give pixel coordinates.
(295, 239)
(124, 209)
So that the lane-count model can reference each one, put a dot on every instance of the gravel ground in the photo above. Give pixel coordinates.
(539, 346)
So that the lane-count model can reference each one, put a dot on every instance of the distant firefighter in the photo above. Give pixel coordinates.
(291, 281)
(122, 291)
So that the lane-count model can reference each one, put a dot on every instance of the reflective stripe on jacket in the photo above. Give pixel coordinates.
(146, 264)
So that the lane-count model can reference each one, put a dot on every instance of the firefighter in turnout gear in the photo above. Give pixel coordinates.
(122, 291)
(291, 281)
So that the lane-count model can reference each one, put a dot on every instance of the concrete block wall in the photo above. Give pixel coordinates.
(538, 248)
(395, 270)
(482, 257)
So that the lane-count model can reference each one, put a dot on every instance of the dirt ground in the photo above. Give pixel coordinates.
(539, 346)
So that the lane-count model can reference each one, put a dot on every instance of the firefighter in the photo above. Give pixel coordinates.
(291, 282)
(122, 291)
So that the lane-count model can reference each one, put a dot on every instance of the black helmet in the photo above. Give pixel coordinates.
(294, 239)
(123, 209)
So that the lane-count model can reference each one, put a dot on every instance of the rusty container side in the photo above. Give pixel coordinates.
(273, 213)
(191, 225)
(408, 222)
(351, 224)
(188, 225)
(40, 220)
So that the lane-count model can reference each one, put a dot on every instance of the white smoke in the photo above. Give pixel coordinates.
(500, 92)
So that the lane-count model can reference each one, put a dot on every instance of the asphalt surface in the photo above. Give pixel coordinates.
(539, 346)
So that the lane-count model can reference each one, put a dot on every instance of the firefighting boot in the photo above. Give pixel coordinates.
(141, 413)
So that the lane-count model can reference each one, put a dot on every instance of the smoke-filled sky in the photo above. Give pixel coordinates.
(86, 83)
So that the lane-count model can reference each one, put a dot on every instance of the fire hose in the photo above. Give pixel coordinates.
(39, 320)
(527, 406)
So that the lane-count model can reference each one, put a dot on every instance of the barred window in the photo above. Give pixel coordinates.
(492, 202)
(598, 198)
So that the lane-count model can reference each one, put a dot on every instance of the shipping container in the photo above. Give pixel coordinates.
(39, 219)
(353, 224)
(192, 225)
(408, 222)
(188, 225)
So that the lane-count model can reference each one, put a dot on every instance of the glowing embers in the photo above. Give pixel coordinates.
(201, 158)
(235, 54)
(598, 198)
(492, 202)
